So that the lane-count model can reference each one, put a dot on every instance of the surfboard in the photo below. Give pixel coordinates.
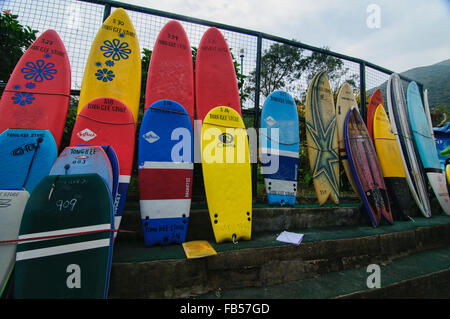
(401, 128)
(165, 171)
(425, 146)
(365, 167)
(108, 122)
(227, 174)
(427, 112)
(37, 93)
(447, 171)
(65, 246)
(12, 205)
(321, 137)
(171, 70)
(113, 67)
(215, 75)
(390, 159)
(279, 148)
(27, 157)
(375, 100)
(84, 160)
(345, 101)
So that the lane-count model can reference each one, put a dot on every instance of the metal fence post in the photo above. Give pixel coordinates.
(362, 90)
(106, 11)
(256, 113)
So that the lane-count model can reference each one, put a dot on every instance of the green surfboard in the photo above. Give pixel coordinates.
(65, 239)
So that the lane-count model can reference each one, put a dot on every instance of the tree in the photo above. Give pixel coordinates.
(14, 40)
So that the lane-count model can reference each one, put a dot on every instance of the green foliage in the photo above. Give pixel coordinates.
(14, 40)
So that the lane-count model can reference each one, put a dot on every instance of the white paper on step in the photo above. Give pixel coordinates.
(291, 238)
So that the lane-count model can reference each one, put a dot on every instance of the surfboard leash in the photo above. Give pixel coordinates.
(39, 141)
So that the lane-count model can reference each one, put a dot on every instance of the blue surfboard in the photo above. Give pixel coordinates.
(84, 160)
(425, 146)
(165, 168)
(279, 148)
(27, 156)
(109, 150)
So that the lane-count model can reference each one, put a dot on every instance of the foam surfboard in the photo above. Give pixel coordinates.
(215, 75)
(165, 172)
(171, 70)
(12, 205)
(365, 167)
(108, 122)
(345, 101)
(426, 147)
(427, 112)
(84, 160)
(37, 93)
(375, 100)
(65, 250)
(113, 67)
(227, 174)
(389, 157)
(398, 116)
(279, 148)
(321, 137)
(27, 156)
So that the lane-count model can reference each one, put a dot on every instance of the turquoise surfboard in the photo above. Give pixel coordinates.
(27, 156)
(426, 147)
(279, 148)
(84, 160)
(65, 239)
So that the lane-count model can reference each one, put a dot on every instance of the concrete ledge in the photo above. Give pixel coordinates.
(265, 266)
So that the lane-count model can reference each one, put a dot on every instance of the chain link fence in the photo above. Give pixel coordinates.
(77, 23)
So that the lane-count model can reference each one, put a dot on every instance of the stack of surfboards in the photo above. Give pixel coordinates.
(165, 150)
(33, 112)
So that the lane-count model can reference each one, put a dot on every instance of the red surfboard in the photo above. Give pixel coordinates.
(215, 76)
(171, 70)
(375, 100)
(109, 122)
(38, 91)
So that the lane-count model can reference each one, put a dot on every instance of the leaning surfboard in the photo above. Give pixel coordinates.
(215, 75)
(345, 101)
(426, 146)
(375, 100)
(279, 148)
(165, 170)
(38, 91)
(227, 174)
(321, 137)
(113, 67)
(84, 160)
(27, 156)
(65, 250)
(108, 122)
(366, 170)
(389, 157)
(171, 70)
(12, 205)
(398, 115)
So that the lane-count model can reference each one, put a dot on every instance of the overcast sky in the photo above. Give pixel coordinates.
(396, 34)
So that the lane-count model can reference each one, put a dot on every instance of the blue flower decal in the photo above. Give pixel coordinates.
(109, 63)
(30, 85)
(115, 49)
(22, 98)
(16, 87)
(39, 71)
(105, 75)
(99, 64)
(47, 55)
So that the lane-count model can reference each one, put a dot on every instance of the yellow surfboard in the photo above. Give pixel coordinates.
(113, 68)
(227, 174)
(345, 101)
(386, 145)
(320, 120)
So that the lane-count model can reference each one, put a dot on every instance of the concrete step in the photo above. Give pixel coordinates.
(424, 274)
(263, 262)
